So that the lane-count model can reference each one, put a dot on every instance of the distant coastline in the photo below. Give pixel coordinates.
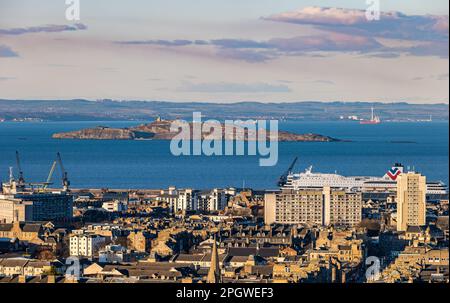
(110, 110)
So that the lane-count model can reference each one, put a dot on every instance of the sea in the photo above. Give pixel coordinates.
(371, 151)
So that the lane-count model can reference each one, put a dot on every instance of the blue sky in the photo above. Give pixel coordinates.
(225, 51)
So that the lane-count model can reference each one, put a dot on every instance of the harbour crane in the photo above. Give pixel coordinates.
(65, 179)
(283, 178)
(21, 180)
(50, 175)
(42, 186)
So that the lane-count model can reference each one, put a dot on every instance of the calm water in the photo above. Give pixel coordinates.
(149, 164)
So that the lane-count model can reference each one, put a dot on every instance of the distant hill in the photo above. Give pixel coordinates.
(106, 110)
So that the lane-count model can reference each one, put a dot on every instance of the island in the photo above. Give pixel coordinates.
(161, 130)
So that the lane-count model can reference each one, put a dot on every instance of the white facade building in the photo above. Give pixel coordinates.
(213, 200)
(114, 206)
(190, 199)
(187, 200)
(85, 245)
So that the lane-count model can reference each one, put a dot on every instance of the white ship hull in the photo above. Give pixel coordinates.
(308, 179)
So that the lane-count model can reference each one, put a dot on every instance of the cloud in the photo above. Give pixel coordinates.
(439, 49)
(239, 43)
(227, 87)
(52, 28)
(331, 42)
(7, 52)
(351, 21)
(6, 78)
(328, 42)
(158, 42)
(224, 43)
(385, 55)
(320, 16)
(253, 51)
(297, 46)
(441, 24)
(342, 30)
(245, 50)
(250, 56)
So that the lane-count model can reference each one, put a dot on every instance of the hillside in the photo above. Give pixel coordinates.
(108, 110)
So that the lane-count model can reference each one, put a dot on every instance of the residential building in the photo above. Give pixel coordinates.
(114, 206)
(15, 210)
(34, 206)
(139, 241)
(213, 200)
(187, 200)
(86, 245)
(345, 208)
(113, 254)
(27, 267)
(315, 207)
(411, 200)
(22, 231)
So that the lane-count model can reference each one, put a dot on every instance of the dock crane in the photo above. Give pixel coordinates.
(21, 180)
(65, 179)
(41, 186)
(283, 178)
(50, 175)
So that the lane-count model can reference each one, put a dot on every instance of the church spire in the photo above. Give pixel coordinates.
(214, 275)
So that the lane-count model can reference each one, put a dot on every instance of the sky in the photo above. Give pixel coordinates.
(225, 50)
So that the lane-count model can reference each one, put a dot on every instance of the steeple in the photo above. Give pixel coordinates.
(214, 275)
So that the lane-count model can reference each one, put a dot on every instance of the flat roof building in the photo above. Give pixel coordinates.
(411, 200)
(30, 206)
(315, 207)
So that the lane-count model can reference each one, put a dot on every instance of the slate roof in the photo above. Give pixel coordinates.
(5, 227)
(247, 251)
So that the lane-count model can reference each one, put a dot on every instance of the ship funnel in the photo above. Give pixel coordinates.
(399, 166)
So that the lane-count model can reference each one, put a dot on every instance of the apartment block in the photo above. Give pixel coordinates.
(213, 200)
(315, 207)
(190, 199)
(86, 245)
(31, 206)
(411, 200)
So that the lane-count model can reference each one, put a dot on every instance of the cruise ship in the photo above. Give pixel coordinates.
(387, 183)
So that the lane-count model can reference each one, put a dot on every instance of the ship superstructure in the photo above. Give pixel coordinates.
(386, 183)
(373, 119)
